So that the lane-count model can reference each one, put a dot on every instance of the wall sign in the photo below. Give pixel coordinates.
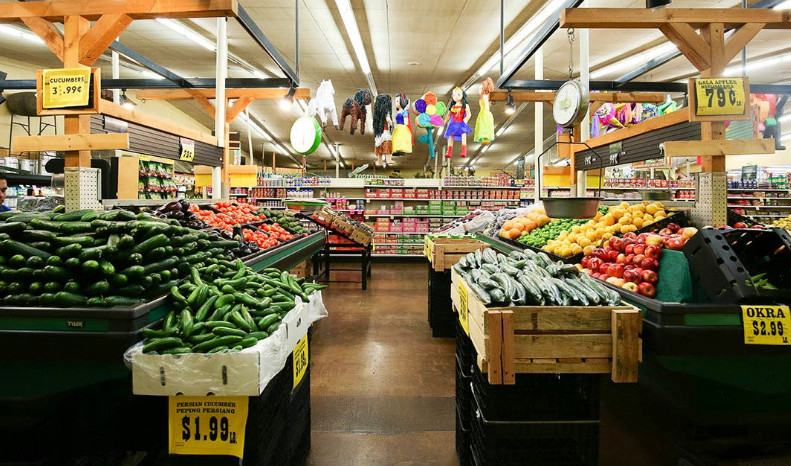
(750, 173)
(207, 425)
(719, 99)
(187, 152)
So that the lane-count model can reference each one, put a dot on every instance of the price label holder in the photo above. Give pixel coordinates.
(301, 360)
(464, 313)
(187, 152)
(207, 425)
(766, 325)
(719, 99)
(65, 91)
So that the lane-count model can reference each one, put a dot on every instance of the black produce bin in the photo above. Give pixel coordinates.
(463, 439)
(723, 262)
(297, 435)
(441, 317)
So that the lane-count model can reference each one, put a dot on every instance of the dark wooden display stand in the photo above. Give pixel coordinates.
(343, 244)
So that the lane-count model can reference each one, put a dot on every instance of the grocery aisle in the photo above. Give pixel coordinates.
(382, 389)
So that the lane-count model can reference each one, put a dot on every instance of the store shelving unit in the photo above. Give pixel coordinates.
(757, 206)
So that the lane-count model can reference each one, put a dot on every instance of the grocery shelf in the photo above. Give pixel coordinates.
(397, 233)
(151, 202)
(759, 198)
(767, 207)
(768, 216)
(760, 189)
(397, 255)
(416, 215)
(480, 187)
(290, 254)
(450, 200)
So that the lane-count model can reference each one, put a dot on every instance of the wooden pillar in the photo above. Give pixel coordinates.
(74, 28)
(713, 34)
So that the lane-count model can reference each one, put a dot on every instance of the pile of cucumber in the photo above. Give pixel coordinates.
(225, 306)
(527, 278)
(96, 259)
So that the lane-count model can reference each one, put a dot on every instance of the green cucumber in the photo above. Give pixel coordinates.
(91, 267)
(30, 236)
(72, 250)
(158, 344)
(66, 299)
(52, 287)
(74, 215)
(58, 274)
(260, 335)
(248, 342)
(99, 288)
(10, 246)
(220, 331)
(177, 350)
(73, 264)
(94, 253)
(225, 340)
(133, 273)
(83, 240)
(107, 268)
(154, 242)
(71, 287)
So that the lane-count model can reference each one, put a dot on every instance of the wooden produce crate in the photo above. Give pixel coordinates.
(325, 216)
(550, 339)
(361, 236)
(443, 253)
(342, 225)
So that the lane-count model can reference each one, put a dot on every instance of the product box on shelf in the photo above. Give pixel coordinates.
(325, 215)
(361, 236)
(341, 224)
(421, 194)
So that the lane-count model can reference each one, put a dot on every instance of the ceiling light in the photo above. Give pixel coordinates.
(126, 102)
(258, 73)
(16, 32)
(758, 64)
(783, 6)
(288, 100)
(187, 32)
(634, 61)
(150, 74)
(500, 131)
(509, 104)
(349, 21)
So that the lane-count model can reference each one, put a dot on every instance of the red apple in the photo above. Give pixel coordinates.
(604, 267)
(688, 232)
(630, 286)
(631, 276)
(615, 281)
(629, 249)
(674, 242)
(594, 263)
(638, 259)
(665, 231)
(673, 227)
(739, 225)
(612, 256)
(654, 252)
(650, 276)
(630, 235)
(584, 261)
(607, 248)
(639, 248)
(630, 259)
(621, 259)
(650, 264)
(646, 289)
(616, 243)
(616, 270)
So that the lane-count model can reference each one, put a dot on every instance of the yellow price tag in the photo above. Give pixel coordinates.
(428, 248)
(66, 87)
(720, 97)
(766, 325)
(207, 425)
(464, 314)
(301, 360)
(187, 150)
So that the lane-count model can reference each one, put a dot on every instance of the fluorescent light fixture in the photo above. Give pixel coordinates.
(783, 6)
(258, 73)
(150, 74)
(510, 108)
(786, 137)
(500, 131)
(16, 32)
(288, 100)
(634, 61)
(187, 32)
(759, 64)
(347, 15)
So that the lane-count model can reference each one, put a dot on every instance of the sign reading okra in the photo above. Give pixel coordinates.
(226, 306)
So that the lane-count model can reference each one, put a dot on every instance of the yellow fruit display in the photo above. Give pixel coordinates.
(783, 223)
(517, 226)
(618, 220)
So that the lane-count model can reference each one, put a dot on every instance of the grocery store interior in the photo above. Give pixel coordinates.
(365, 232)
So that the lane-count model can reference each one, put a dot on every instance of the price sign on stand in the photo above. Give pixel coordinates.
(301, 359)
(766, 325)
(719, 99)
(65, 87)
(207, 425)
(187, 149)
(464, 314)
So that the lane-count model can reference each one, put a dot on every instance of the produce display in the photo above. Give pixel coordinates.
(97, 259)
(529, 278)
(225, 306)
(632, 262)
(541, 236)
(180, 210)
(476, 220)
(286, 219)
(780, 223)
(523, 224)
(240, 212)
(619, 219)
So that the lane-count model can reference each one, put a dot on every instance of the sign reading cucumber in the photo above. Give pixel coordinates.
(207, 425)
(66, 87)
(720, 98)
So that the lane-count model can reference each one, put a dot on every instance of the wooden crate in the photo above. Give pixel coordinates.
(549, 339)
(342, 225)
(443, 253)
(361, 236)
(324, 216)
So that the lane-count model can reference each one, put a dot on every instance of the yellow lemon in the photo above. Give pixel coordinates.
(576, 249)
(651, 209)
(584, 241)
(637, 222)
(588, 249)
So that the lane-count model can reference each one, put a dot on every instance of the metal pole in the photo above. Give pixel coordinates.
(502, 35)
(296, 35)
(250, 136)
(538, 137)
(337, 161)
(585, 126)
(116, 59)
(220, 104)
(744, 49)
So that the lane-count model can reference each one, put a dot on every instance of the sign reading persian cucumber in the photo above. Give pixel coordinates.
(66, 87)
(305, 135)
(207, 425)
(464, 313)
(766, 325)
(187, 149)
(720, 97)
(301, 360)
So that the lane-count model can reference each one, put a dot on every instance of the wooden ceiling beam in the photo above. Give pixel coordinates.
(694, 47)
(603, 97)
(186, 94)
(48, 33)
(237, 108)
(641, 18)
(151, 121)
(207, 106)
(101, 35)
(56, 10)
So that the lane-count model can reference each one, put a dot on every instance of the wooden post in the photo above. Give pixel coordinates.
(74, 28)
(713, 34)
(274, 156)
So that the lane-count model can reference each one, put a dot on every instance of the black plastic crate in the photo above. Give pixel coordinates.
(463, 453)
(734, 218)
(465, 350)
(723, 262)
(299, 454)
(463, 395)
(538, 397)
(534, 442)
(679, 218)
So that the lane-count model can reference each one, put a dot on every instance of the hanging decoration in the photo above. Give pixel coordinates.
(429, 115)
(610, 117)
(324, 104)
(403, 137)
(767, 110)
(356, 108)
(383, 121)
(457, 117)
(484, 124)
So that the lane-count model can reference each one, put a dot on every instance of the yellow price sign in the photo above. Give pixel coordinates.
(187, 149)
(464, 313)
(720, 97)
(207, 425)
(66, 87)
(766, 325)
(301, 360)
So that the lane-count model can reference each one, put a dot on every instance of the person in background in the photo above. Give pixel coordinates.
(3, 188)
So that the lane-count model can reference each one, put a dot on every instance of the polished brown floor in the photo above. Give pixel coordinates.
(382, 389)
